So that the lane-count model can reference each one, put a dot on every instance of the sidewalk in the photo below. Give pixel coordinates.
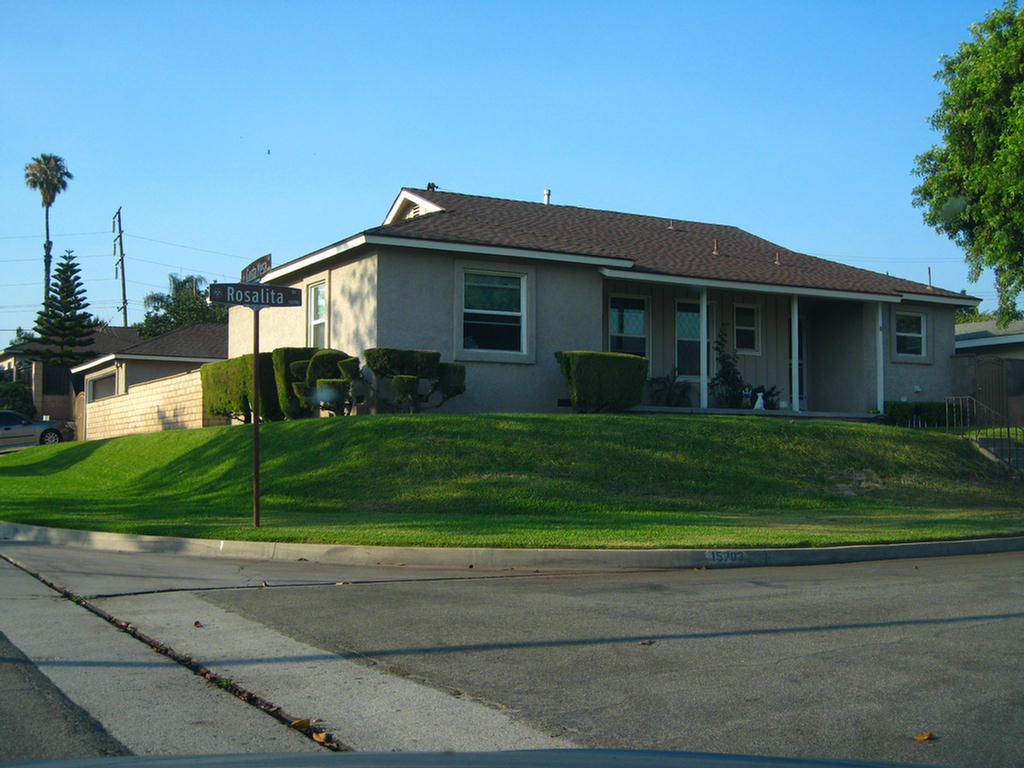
(505, 559)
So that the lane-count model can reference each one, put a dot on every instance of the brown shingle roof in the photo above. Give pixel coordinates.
(197, 341)
(656, 245)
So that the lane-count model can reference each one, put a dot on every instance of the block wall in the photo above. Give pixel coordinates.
(173, 402)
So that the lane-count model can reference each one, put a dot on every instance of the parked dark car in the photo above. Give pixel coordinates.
(17, 431)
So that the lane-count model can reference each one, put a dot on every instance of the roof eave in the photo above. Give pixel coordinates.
(990, 341)
(103, 362)
(788, 290)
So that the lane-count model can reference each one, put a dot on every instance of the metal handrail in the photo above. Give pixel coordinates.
(968, 417)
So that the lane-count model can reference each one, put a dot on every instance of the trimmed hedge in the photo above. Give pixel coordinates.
(227, 388)
(603, 381)
(288, 401)
(930, 413)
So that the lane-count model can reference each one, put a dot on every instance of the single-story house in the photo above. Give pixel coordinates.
(111, 381)
(989, 366)
(501, 285)
(54, 387)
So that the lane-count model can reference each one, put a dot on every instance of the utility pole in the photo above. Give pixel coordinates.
(115, 226)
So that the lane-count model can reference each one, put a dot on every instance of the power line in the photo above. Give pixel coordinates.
(188, 247)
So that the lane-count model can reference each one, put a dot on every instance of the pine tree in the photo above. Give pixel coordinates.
(63, 326)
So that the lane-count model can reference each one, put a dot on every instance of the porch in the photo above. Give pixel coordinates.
(820, 352)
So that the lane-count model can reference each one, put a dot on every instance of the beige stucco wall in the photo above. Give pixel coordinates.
(351, 311)
(173, 402)
(417, 309)
(933, 373)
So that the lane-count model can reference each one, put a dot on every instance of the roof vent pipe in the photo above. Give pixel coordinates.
(547, 197)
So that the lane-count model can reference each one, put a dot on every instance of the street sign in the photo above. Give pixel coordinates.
(255, 296)
(256, 270)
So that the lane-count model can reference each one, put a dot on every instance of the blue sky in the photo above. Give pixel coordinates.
(227, 130)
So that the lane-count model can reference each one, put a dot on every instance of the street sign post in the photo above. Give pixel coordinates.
(255, 297)
(256, 270)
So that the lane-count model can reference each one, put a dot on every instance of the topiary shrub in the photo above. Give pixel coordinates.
(16, 396)
(333, 395)
(227, 388)
(603, 381)
(451, 381)
(385, 361)
(288, 401)
(396, 367)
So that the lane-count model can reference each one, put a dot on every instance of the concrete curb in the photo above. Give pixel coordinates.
(502, 559)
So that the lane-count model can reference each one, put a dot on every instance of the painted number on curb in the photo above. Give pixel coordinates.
(726, 556)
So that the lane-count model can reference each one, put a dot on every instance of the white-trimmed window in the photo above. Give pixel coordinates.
(316, 313)
(747, 329)
(493, 306)
(911, 334)
(627, 325)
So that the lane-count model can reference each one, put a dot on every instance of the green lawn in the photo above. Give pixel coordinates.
(525, 481)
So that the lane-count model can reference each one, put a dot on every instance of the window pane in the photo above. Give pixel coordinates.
(908, 324)
(319, 336)
(484, 331)
(746, 338)
(319, 302)
(746, 317)
(687, 322)
(497, 293)
(627, 316)
(688, 357)
(908, 345)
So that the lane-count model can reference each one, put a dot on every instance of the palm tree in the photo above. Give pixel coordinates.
(49, 175)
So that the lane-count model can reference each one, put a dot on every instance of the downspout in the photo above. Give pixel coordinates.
(703, 347)
(794, 351)
(880, 359)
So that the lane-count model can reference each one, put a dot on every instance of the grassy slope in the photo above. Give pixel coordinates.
(524, 480)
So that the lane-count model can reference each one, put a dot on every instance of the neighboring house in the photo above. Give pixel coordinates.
(54, 387)
(501, 285)
(151, 385)
(989, 366)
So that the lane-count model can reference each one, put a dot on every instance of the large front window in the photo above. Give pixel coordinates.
(627, 325)
(316, 333)
(492, 311)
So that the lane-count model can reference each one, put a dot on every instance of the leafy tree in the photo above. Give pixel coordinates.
(49, 175)
(16, 396)
(972, 188)
(972, 315)
(185, 302)
(63, 326)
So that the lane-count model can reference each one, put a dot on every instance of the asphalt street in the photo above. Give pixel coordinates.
(842, 661)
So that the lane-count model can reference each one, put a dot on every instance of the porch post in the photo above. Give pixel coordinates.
(703, 347)
(880, 359)
(794, 351)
